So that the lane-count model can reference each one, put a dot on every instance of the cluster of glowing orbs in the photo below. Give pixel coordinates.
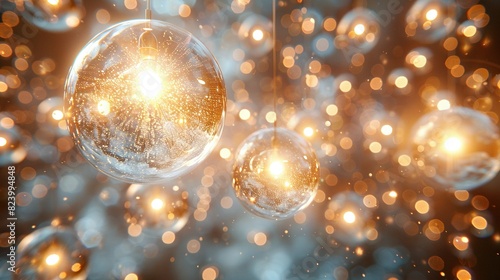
(51, 253)
(145, 114)
(275, 173)
(358, 31)
(430, 20)
(54, 15)
(456, 148)
(255, 33)
(156, 207)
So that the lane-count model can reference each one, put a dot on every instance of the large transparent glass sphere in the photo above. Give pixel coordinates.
(275, 175)
(157, 208)
(145, 101)
(457, 148)
(51, 253)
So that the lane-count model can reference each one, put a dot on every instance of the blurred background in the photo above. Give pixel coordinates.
(354, 77)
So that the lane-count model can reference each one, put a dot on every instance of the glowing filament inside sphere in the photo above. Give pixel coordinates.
(52, 259)
(431, 14)
(276, 168)
(349, 217)
(453, 144)
(157, 204)
(149, 83)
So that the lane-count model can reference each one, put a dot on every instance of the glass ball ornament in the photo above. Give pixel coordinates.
(312, 125)
(145, 101)
(12, 148)
(456, 148)
(54, 15)
(51, 253)
(156, 208)
(255, 33)
(358, 31)
(50, 116)
(349, 216)
(428, 21)
(275, 173)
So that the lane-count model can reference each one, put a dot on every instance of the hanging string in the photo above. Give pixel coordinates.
(274, 76)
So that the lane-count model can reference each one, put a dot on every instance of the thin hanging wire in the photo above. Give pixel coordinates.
(148, 10)
(275, 97)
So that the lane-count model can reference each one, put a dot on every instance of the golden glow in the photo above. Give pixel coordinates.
(401, 82)
(257, 35)
(463, 274)
(375, 147)
(245, 114)
(359, 29)
(443, 104)
(52, 259)
(131, 276)
(103, 107)
(386, 129)
(149, 83)
(345, 86)
(308, 131)
(53, 2)
(349, 217)
(271, 117)
(57, 115)
(276, 168)
(157, 204)
(469, 31)
(479, 222)
(420, 61)
(404, 160)
(393, 194)
(431, 14)
(3, 141)
(422, 207)
(332, 110)
(453, 144)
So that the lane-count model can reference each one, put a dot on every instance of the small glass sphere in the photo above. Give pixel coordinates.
(12, 149)
(54, 15)
(430, 20)
(358, 31)
(275, 177)
(145, 101)
(312, 125)
(156, 208)
(50, 116)
(458, 148)
(51, 253)
(256, 35)
(349, 217)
